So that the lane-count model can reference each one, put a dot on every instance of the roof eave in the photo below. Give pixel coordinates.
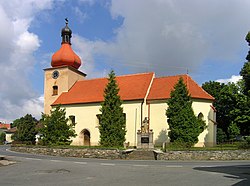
(92, 102)
(155, 99)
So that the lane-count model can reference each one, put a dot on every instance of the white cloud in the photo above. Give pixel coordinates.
(171, 36)
(233, 79)
(33, 106)
(28, 42)
(25, 9)
(18, 45)
(86, 50)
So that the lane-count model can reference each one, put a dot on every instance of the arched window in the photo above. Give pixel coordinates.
(200, 116)
(55, 90)
(72, 119)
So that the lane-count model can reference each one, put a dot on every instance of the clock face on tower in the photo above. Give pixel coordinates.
(55, 74)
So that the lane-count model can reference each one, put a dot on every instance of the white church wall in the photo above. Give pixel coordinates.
(206, 138)
(158, 122)
(134, 116)
(85, 118)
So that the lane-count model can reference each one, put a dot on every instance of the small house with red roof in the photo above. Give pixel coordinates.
(4, 125)
(144, 99)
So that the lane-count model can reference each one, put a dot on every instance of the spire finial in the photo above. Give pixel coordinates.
(66, 32)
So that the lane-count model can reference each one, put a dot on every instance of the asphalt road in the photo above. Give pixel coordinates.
(50, 170)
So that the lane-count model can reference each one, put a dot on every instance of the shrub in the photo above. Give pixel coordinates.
(2, 137)
(245, 144)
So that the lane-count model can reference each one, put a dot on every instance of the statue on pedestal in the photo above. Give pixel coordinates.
(145, 126)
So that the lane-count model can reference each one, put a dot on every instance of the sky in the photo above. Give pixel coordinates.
(204, 38)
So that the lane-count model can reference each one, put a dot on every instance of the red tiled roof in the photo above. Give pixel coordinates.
(162, 87)
(132, 87)
(4, 125)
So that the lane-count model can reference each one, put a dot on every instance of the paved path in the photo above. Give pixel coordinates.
(50, 170)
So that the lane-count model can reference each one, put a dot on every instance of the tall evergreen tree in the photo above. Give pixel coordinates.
(56, 129)
(243, 118)
(184, 126)
(112, 120)
(26, 129)
(245, 71)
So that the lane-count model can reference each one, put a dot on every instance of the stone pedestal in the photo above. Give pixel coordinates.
(145, 140)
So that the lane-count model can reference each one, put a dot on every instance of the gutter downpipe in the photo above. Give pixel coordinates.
(148, 115)
(135, 126)
(146, 99)
(141, 112)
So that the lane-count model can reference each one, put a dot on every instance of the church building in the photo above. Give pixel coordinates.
(144, 100)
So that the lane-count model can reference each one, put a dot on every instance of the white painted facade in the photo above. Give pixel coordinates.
(158, 121)
(86, 119)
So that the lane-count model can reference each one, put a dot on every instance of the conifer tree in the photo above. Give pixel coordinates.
(243, 114)
(56, 129)
(184, 126)
(112, 120)
(245, 71)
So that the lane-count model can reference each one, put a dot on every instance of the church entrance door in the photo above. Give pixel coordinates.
(86, 137)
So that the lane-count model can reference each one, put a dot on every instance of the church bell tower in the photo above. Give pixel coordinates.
(63, 73)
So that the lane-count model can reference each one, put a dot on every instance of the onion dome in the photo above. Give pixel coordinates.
(65, 56)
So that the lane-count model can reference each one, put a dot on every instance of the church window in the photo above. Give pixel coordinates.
(98, 116)
(200, 116)
(55, 90)
(72, 119)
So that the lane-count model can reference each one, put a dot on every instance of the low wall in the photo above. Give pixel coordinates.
(81, 153)
(205, 155)
(120, 154)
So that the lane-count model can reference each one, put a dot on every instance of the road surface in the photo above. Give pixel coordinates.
(39, 170)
